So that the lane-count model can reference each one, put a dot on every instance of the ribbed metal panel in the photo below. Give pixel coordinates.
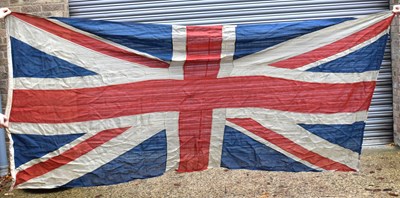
(379, 128)
(221, 11)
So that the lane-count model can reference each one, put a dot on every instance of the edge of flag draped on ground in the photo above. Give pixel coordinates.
(98, 103)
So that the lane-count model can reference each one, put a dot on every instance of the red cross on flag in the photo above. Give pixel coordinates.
(98, 102)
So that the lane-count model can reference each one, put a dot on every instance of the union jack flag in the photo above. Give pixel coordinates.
(98, 103)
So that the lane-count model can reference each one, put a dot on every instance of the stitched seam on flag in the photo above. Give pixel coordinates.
(162, 63)
(105, 40)
(344, 53)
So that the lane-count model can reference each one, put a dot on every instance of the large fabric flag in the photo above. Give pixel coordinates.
(99, 103)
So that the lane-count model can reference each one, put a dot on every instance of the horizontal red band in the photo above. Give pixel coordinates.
(62, 106)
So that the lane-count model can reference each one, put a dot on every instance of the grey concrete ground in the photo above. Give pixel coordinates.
(379, 177)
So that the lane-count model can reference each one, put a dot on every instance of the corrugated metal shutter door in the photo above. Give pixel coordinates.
(380, 119)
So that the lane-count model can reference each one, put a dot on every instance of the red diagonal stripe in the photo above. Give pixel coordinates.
(68, 156)
(90, 42)
(335, 47)
(59, 106)
(288, 145)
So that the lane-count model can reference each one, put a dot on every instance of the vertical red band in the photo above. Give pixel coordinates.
(202, 62)
(203, 52)
(194, 139)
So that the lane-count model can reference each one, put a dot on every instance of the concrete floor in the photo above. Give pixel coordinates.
(379, 177)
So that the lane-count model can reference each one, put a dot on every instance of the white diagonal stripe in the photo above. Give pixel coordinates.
(95, 37)
(93, 159)
(344, 53)
(110, 70)
(310, 41)
(92, 126)
(273, 146)
(155, 121)
(286, 125)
